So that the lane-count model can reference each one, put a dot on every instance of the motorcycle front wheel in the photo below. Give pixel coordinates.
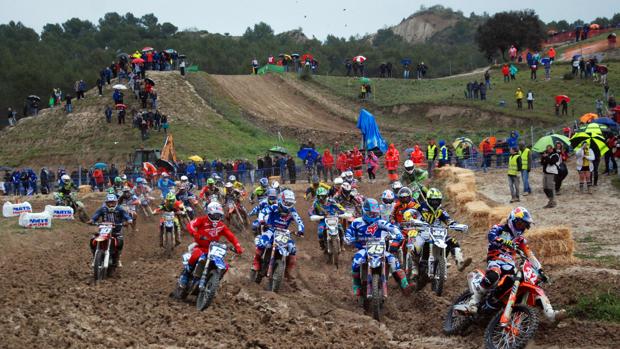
(278, 274)
(440, 276)
(456, 322)
(335, 246)
(376, 302)
(99, 272)
(521, 328)
(207, 294)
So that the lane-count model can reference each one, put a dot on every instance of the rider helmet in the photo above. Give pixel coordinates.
(434, 197)
(272, 196)
(519, 220)
(111, 201)
(349, 175)
(228, 185)
(371, 211)
(338, 181)
(164, 174)
(321, 195)
(215, 211)
(140, 180)
(275, 185)
(287, 201)
(126, 189)
(409, 166)
(315, 180)
(346, 189)
(124, 177)
(264, 182)
(171, 198)
(396, 186)
(65, 178)
(232, 179)
(404, 195)
(184, 179)
(387, 197)
(118, 180)
(210, 181)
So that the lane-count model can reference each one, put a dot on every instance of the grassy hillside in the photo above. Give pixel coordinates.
(450, 91)
(83, 137)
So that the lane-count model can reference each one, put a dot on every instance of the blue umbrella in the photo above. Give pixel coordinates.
(405, 61)
(306, 153)
(545, 61)
(610, 123)
(100, 165)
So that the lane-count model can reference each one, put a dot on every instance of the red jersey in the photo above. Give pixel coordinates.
(204, 231)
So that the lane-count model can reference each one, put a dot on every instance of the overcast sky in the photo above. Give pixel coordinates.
(316, 17)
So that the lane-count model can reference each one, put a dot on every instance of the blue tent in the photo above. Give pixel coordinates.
(372, 137)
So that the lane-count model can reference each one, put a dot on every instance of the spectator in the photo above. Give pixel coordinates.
(475, 89)
(443, 154)
(585, 159)
(599, 107)
(44, 176)
(549, 161)
(260, 166)
(68, 104)
(533, 69)
(515, 166)
(526, 166)
(562, 169)
(513, 72)
(487, 79)
(388, 69)
(611, 166)
(519, 98)
(164, 123)
(11, 117)
(552, 54)
(100, 84)
(564, 105)
(483, 92)
(328, 165)
(99, 180)
(372, 163)
(547, 66)
(431, 155)
(292, 171)
(530, 100)
(406, 71)
(506, 73)
(348, 66)
(7, 183)
(121, 116)
(108, 114)
(268, 166)
(575, 66)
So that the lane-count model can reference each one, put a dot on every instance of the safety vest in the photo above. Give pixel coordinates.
(513, 165)
(459, 153)
(430, 152)
(443, 155)
(525, 156)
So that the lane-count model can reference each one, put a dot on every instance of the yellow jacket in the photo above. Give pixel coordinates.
(519, 94)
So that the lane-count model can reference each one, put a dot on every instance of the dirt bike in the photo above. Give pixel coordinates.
(432, 262)
(167, 229)
(205, 279)
(130, 207)
(512, 306)
(235, 215)
(374, 275)
(351, 212)
(72, 201)
(104, 258)
(333, 236)
(273, 261)
(145, 201)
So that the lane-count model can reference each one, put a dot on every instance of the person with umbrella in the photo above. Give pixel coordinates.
(585, 159)
(549, 161)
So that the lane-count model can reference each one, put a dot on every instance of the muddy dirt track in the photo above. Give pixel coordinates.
(48, 300)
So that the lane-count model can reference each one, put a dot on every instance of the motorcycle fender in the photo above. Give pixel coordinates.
(533, 292)
(219, 263)
(374, 262)
(474, 279)
(440, 244)
(283, 250)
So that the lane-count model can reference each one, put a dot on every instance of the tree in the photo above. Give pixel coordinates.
(520, 28)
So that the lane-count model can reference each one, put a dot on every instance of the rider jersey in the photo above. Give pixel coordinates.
(122, 200)
(359, 231)
(238, 185)
(499, 251)
(331, 208)
(258, 193)
(262, 210)
(117, 216)
(176, 207)
(400, 208)
(278, 220)
(204, 231)
(311, 191)
(430, 216)
(350, 201)
(67, 187)
(417, 176)
(207, 191)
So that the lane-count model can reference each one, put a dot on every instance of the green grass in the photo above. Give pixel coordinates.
(604, 306)
(591, 249)
(450, 91)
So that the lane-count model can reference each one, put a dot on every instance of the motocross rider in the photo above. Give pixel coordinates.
(235, 195)
(316, 184)
(128, 198)
(260, 191)
(117, 186)
(504, 240)
(64, 189)
(262, 209)
(371, 224)
(324, 206)
(204, 230)
(209, 190)
(346, 198)
(413, 177)
(126, 182)
(348, 178)
(387, 204)
(142, 190)
(431, 211)
(164, 184)
(280, 216)
(335, 189)
(236, 184)
(184, 191)
(111, 212)
(171, 204)
(396, 185)
(405, 202)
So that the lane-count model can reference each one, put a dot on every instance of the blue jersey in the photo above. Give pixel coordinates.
(282, 221)
(117, 216)
(359, 231)
(261, 210)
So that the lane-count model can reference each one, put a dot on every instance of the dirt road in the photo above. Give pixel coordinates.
(48, 300)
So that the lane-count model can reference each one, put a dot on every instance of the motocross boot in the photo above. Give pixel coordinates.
(177, 237)
(401, 278)
(291, 261)
(322, 244)
(185, 275)
(256, 264)
(161, 240)
(357, 284)
(476, 298)
(460, 262)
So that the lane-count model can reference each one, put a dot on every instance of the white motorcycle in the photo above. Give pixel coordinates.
(333, 236)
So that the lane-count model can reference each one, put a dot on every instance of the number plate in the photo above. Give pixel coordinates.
(217, 250)
(281, 237)
(375, 248)
(331, 221)
(105, 230)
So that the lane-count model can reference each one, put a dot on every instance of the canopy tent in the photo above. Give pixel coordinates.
(271, 68)
(370, 132)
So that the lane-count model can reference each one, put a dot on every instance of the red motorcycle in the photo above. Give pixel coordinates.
(104, 258)
(512, 305)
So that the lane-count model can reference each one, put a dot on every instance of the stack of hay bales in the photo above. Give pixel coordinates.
(552, 245)
(85, 189)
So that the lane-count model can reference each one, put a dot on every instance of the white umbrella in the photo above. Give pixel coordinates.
(119, 87)
(359, 59)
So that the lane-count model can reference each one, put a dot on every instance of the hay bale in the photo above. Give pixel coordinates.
(498, 215)
(464, 197)
(478, 212)
(454, 189)
(553, 245)
(85, 189)
(274, 178)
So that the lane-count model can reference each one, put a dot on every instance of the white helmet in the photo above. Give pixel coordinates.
(338, 181)
(349, 175)
(343, 175)
(215, 211)
(165, 174)
(65, 178)
(232, 178)
(228, 185)
(387, 197)
(124, 177)
(275, 184)
(409, 166)
(346, 188)
(184, 179)
(396, 186)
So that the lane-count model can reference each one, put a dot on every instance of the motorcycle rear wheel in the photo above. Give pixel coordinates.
(207, 294)
(523, 317)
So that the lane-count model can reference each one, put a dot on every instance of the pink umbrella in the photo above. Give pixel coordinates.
(359, 59)
(137, 61)
(146, 49)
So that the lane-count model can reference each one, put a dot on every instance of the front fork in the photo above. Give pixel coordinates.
(383, 280)
(507, 313)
